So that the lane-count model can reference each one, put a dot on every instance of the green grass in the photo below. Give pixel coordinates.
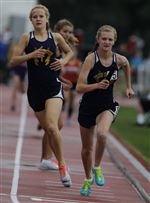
(137, 138)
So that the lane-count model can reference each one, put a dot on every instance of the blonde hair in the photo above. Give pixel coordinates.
(47, 13)
(73, 40)
(106, 28)
(64, 22)
(61, 23)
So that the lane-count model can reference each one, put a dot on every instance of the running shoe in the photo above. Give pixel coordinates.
(86, 188)
(64, 176)
(99, 177)
(48, 164)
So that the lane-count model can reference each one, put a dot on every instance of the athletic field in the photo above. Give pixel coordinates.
(126, 180)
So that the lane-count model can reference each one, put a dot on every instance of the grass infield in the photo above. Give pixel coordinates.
(138, 138)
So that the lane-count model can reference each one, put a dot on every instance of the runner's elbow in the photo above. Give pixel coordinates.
(79, 89)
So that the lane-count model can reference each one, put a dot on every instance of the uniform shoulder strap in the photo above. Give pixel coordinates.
(31, 34)
(112, 69)
(96, 56)
(114, 58)
(50, 35)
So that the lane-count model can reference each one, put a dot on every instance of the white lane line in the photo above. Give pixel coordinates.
(131, 158)
(15, 181)
(56, 200)
(51, 200)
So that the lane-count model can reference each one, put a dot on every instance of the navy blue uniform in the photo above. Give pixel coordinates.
(43, 83)
(97, 101)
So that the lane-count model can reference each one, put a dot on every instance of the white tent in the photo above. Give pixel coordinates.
(14, 14)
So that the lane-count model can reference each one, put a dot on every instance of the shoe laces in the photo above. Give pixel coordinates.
(54, 161)
(86, 185)
(98, 173)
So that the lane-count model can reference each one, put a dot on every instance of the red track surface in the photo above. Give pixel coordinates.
(34, 185)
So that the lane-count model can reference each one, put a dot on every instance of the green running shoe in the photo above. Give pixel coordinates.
(86, 189)
(99, 177)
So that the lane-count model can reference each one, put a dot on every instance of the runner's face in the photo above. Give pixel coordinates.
(66, 31)
(106, 40)
(39, 19)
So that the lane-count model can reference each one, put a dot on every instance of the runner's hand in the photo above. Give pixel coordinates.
(129, 92)
(39, 53)
(103, 84)
(57, 65)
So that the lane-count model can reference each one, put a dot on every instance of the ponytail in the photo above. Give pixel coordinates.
(94, 48)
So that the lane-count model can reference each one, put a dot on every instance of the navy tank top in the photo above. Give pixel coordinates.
(97, 73)
(39, 71)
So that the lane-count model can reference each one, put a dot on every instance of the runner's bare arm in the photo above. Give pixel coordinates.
(19, 57)
(82, 85)
(59, 63)
(124, 63)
